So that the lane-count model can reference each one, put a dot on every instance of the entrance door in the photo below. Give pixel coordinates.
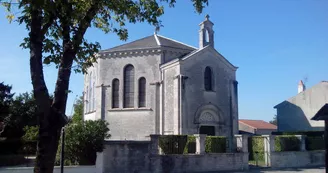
(207, 130)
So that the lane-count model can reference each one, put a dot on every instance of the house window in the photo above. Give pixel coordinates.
(128, 94)
(90, 93)
(208, 79)
(87, 100)
(93, 97)
(115, 93)
(142, 92)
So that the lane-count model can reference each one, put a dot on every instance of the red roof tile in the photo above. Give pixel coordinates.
(259, 124)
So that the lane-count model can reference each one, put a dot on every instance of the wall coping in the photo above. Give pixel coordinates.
(125, 142)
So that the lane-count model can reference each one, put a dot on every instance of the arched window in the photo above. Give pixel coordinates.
(90, 93)
(128, 93)
(207, 36)
(87, 100)
(142, 92)
(115, 93)
(93, 97)
(208, 79)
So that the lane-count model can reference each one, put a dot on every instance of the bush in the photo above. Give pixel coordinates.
(10, 146)
(82, 142)
(173, 144)
(306, 133)
(287, 143)
(256, 148)
(191, 145)
(314, 143)
(31, 133)
(215, 144)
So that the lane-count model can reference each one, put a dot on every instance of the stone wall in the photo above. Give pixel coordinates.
(297, 159)
(144, 157)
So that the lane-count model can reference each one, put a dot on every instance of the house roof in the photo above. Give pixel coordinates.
(258, 124)
(322, 114)
(299, 94)
(149, 42)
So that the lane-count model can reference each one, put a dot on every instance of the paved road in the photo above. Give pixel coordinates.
(298, 170)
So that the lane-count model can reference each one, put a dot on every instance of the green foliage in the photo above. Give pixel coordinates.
(190, 145)
(274, 120)
(23, 112)
(256, 148)
(173, 144)
(315, 143)
(215, 144)
(5, 102)
(306, 133)
(82, 141)
(31, 133)
(78, 111)
(69, 20)
(287, 143)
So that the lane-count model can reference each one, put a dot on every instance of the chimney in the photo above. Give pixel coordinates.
(301, 86)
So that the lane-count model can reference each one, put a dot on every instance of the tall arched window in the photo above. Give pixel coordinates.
(115, 93)
(128, 93)
(87, 100)
(90, 92)
(142, 92)
(93, 97)
(208, 79)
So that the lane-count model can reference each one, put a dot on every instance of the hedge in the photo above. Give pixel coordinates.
(314, 143)
(191, 145)
(173, 144)
(17, 146)
(215, 144)
(287, 143)
(306, 133)
(12, 160)
(256, 148)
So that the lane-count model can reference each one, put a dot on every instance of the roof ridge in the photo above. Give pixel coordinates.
(128, 42)
(176, 41)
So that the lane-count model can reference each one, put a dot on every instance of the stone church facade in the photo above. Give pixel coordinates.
(156, 85)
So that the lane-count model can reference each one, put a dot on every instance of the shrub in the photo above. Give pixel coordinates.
(31, 133)
(215, 144)
(10, 146)
(12, 160)
(287, 143)
(191, 145)
(314, 143)
(82, 142)
(256, 148)
(173, 144)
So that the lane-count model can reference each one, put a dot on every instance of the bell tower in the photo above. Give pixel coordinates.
(206, 33)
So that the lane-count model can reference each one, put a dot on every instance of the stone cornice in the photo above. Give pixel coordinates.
(140, 52)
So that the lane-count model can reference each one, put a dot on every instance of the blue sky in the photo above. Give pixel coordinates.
(274, 43)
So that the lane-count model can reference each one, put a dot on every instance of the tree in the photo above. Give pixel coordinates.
(78, 110)
(274, 121)
(56, 36)
(5, 102)
(22, 112)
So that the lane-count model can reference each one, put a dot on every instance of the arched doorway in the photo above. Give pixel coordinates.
(207, 130)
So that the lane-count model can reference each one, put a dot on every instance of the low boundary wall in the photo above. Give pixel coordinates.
(137, 156)
(297, 159)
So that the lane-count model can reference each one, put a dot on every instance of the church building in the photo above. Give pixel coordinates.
(157, 85)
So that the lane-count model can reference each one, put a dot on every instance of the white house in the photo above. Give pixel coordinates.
(157, 85)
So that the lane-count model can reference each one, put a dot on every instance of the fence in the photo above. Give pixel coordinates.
(286, 151)
(145, 156)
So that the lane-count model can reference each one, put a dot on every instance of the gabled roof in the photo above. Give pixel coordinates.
(301, 93)
(258, 124)
(150, 42)
(322, 114)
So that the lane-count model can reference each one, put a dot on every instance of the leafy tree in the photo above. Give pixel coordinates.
(31, 133)
(82, 142)
(5, 101)
(78, 110)
(23, 112)
(274, 120)
(56, 36)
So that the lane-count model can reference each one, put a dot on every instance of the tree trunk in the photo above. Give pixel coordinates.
(49, 130)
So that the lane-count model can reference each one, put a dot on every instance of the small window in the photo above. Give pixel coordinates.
(115, 93)
(208, 79)
(142, 92)
(128, 101)
(93, 97)
(87, 100)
